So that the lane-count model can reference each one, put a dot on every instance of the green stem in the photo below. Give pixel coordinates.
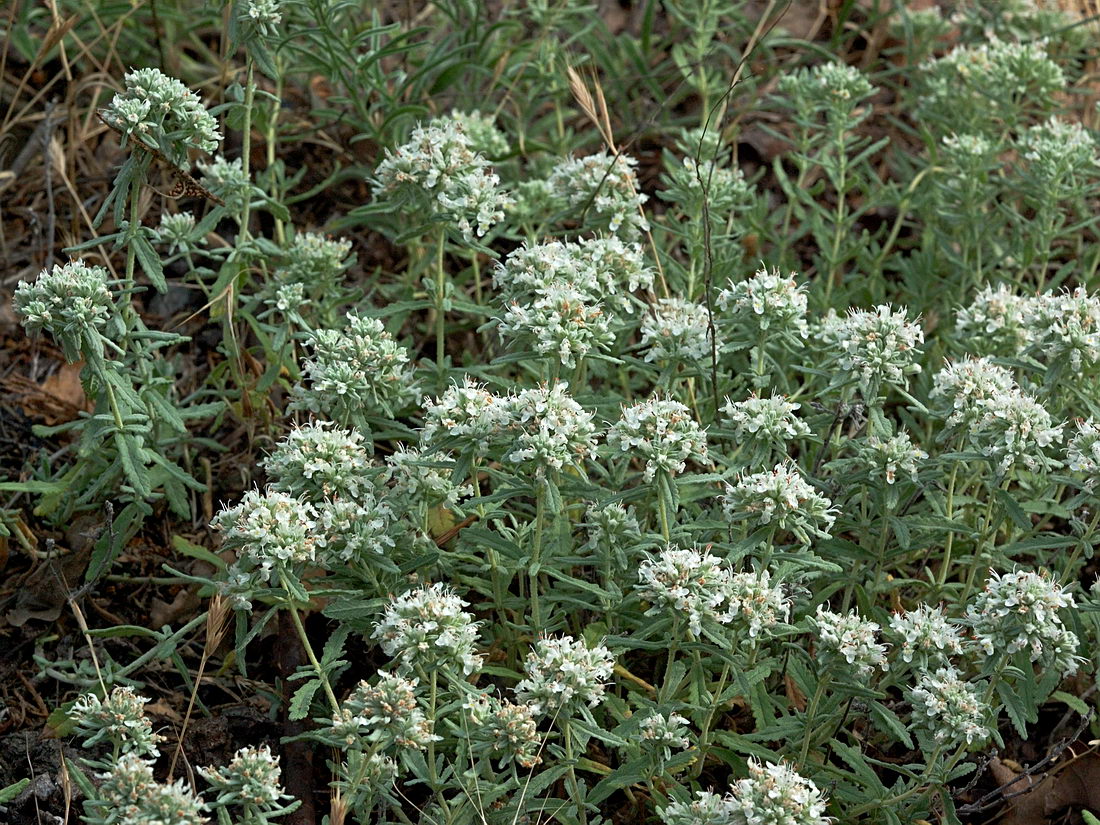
(949, 507)
(575, 787)
(811, 715)
(536, 554)
(440, 290)
(321, 677)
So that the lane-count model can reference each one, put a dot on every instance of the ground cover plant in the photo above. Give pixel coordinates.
(680, 412)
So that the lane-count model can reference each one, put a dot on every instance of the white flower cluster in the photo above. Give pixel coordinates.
(967, 155)
(467, 413)
(252, 780)
(437, 172)
(884, 458)
(994, 320)
(427, 629)
(702, 588)
(1014, 428)
(320, 460)
(71, 302)
(666, 730)
(1058, 151)
(604, 269)
(353, 530)
(560, 321)
(949, 708)
(1019, 611)
(563, 674)
(968, 76)
(927, 635)
(265, 15)
(423, 479)
(845, 637)
(118, 719)
(677, 331)
(754, 603)
(134, 797)
(384, 713)
(160, 112)
(685, 582)
(550, 430)
(507, 730)
(961, 386)
(660, 431)
(315, 261)
(353, 371)
(832, 87)
(177, 232)
(772, 794)
(227, 180)
(269, 530)
(1083, 452)
(482, 132)
(780, 496)
(605, 187)
(611, 526)
(871, 347)
(767, 303)
(1064, 328)
(768, 420)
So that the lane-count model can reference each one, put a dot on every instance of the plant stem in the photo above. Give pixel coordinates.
(536, 554)
(440, 289)
(811, 714)
(321, 677)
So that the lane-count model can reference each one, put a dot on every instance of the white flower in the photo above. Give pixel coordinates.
(994, 321)
(383, 713)
(252, 779)
(72, 302)
(960, 385)
(685, 582)
(438, 172)
(660, 431)
(949, 708)
(677, 331)
(1014, 428)
(562, 674)
(666, 730)
(117, 719)
(926, 633)
(871, 347)
(1020, 611)
(321, 460)
(269, 529)
(605, 186)
(845, 637)
(551, 430)
(562, 322)
(767, 302)
(754, 603)
(770, 420)
(427, 628)
(354, 371)
(1083, 452)
(1064, 328)
(780, 495)
(468, 413)
(886, 457)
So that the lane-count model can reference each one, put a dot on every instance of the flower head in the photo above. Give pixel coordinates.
(437, 172)
(551, 430)
(386, 712)
(684, 582)
(71, 302)
(353, 371)
(660, 431)
(606, 187)
(780, 496)
(269, 530)
(950, 709)
(926, 635)
(1020, 611)
(562, 674)
(846, 640)
(119, 718)
(677, 331)
(250, 780)
(320, 460)
(426, 628)
(872, 347)
(767, 303)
